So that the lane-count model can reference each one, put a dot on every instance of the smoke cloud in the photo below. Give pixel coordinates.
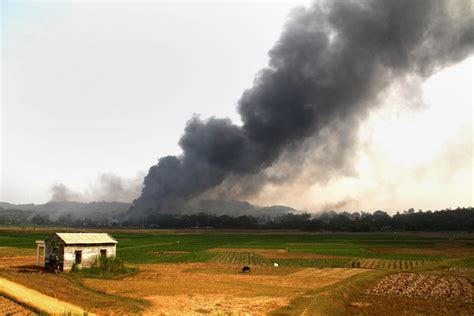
(328, 70)
(60, 192)
(107, 187)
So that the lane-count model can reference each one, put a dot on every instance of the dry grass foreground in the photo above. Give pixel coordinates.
(21, 270)
(194, 289)
(9, 307)
(38, 301)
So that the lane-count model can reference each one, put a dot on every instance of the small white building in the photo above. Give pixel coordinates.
(65, 249)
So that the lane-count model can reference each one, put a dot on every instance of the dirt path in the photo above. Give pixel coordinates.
(36, 300)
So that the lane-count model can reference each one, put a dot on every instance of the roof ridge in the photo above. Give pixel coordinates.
(86, 238)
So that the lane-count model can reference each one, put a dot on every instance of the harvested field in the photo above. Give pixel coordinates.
(399, 305)
(426, 286)
(340, 273)
(9, 307)
(194, 288)
(241, 258)
(13, 262)
(388, 264)
(15, 258)
(215, 304)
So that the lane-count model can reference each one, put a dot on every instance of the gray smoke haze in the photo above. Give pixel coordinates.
(328, 70)
(107, 187)
(60, 192)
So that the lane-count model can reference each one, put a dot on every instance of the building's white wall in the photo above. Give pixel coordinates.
(89, 253)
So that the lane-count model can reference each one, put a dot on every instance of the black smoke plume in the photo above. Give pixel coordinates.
(330, 66)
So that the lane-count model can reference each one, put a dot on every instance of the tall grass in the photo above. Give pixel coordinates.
(105, 268)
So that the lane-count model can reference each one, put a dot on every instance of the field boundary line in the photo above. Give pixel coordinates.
(149, 245)
(39, 301)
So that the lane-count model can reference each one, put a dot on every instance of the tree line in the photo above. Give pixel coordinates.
(460, 219)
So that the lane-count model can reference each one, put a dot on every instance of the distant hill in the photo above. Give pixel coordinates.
(23, 207)
(92, 210)
(104, 211)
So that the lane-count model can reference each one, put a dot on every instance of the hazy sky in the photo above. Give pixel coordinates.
(90, 89)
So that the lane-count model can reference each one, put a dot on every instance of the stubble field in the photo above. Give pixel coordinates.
(199, 272)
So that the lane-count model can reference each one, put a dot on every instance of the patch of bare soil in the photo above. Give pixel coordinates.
(426, 286)
(215, 304)
(10, 262)
(9, 307)
(327, 273)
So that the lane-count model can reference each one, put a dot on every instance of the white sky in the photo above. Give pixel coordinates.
(91, 88)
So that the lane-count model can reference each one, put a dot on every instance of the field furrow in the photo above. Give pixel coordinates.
(386, 264)
(245, 258)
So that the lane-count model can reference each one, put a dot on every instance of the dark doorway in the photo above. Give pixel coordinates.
(103, 253)
(78, 256)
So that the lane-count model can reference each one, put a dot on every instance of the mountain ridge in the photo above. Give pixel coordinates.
(112, 210)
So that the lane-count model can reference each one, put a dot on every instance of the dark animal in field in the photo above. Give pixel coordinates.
(355, 264)
(245, 269)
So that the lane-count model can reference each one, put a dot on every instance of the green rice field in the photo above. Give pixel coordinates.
(378, 250)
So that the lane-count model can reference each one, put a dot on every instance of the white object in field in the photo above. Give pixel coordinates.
(275, 264)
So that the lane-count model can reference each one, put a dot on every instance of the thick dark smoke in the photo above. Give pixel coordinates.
(329, 67)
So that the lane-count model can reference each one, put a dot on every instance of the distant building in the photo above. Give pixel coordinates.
(62, 250)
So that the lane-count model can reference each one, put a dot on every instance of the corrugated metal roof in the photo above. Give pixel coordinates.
(86, 238)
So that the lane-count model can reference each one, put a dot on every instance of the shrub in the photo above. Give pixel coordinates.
(75, 267)
(106, 267)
